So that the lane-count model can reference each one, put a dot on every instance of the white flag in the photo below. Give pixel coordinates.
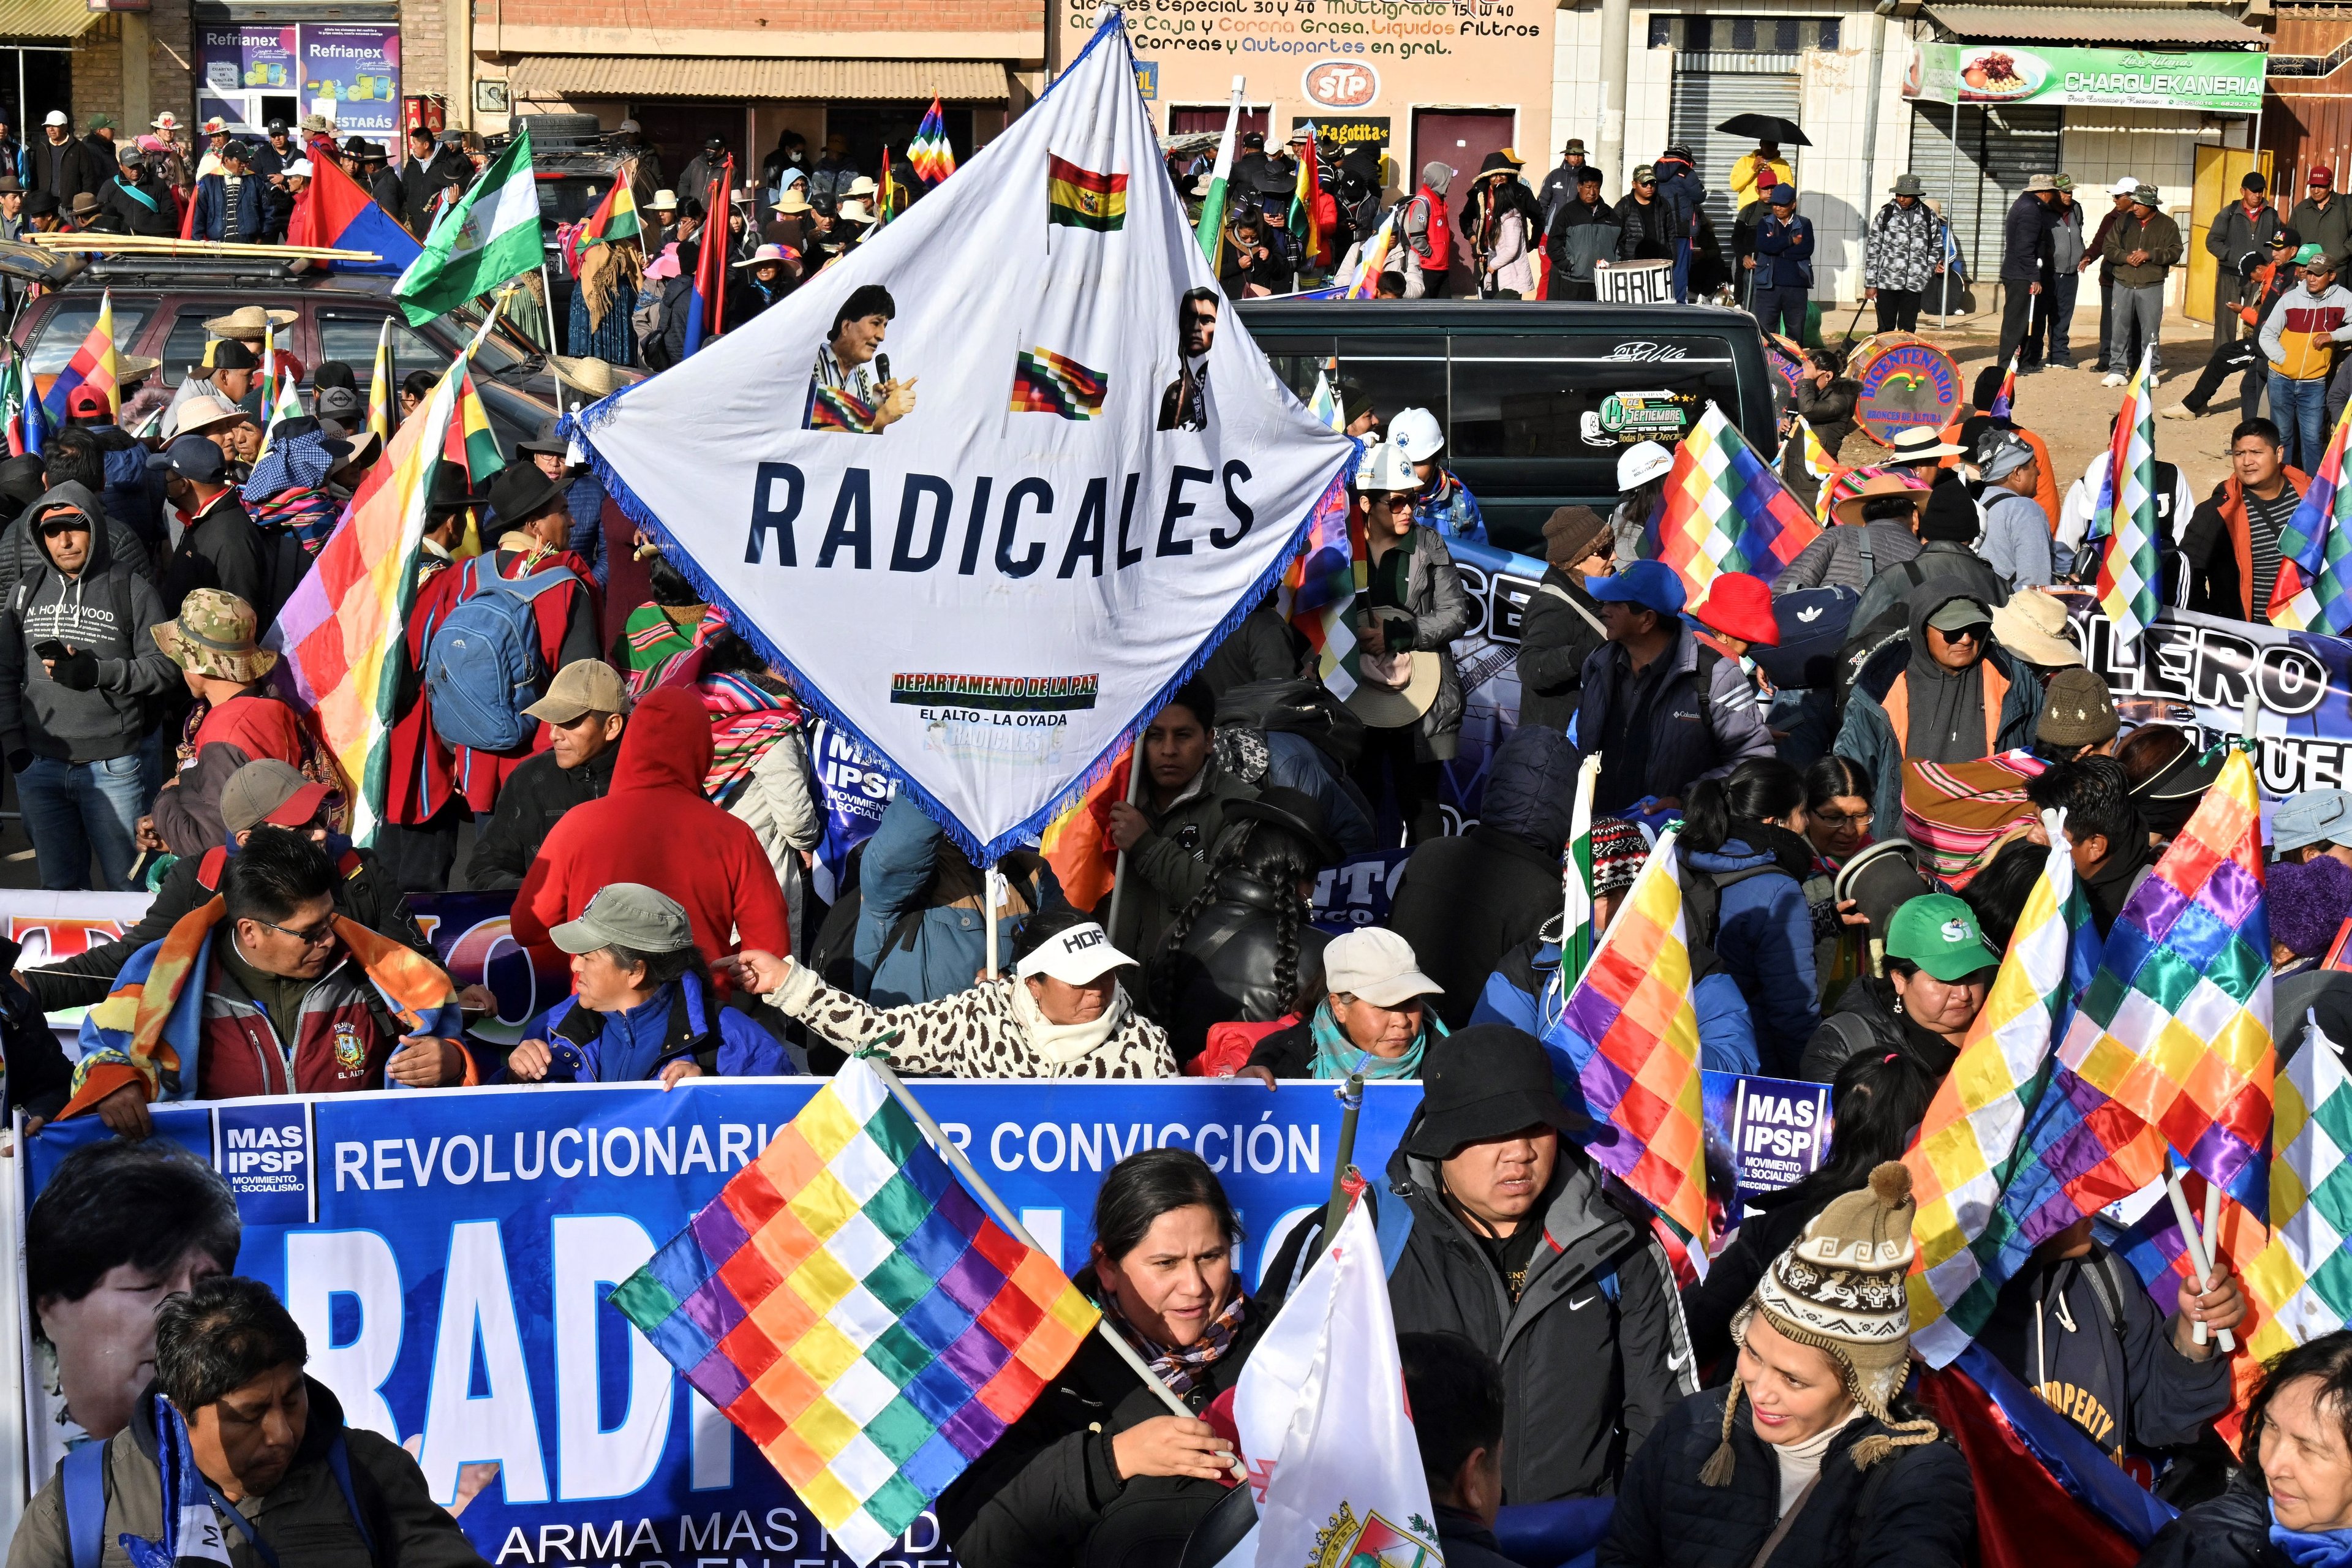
(1320, 1412)
(991, 486)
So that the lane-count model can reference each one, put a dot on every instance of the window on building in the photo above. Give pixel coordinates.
(1743, 35)
(1190, 119)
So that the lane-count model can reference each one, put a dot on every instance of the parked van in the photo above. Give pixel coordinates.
(1536, 400)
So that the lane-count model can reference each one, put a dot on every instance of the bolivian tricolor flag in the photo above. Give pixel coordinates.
(1080, 199)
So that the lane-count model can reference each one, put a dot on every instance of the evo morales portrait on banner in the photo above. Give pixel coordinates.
(851, 388)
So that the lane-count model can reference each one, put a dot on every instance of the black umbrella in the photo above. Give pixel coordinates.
(1766, 128)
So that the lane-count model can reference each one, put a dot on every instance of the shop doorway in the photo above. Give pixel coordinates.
(2218, 169)
(1460, 139)
(1979, 174)
(678, 130)
(871, 127)
(33, 80)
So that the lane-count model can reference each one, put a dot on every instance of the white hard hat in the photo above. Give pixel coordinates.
(1639, 464)
(1386, 468)
(1415, 430)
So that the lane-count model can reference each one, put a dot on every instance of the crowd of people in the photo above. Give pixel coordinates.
(1845, 750)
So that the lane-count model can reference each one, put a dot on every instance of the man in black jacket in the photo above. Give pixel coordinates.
(138, 200)
(1560, 628)
(584, 710)
(1583, 231)
(1517, 1245)
(266, 793)
(1467, 899)
(62, 166)
(426, 173)
(2024, 254)
(220, 548)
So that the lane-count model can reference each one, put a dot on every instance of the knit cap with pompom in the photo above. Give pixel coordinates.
(1839, 1288)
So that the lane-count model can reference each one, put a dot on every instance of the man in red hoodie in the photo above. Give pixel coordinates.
(655, 827)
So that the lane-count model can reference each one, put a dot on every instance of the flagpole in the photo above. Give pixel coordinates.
(547, 309)
(991, 890)
(2199, 1257)
(1119, 870)
(1004, 1216)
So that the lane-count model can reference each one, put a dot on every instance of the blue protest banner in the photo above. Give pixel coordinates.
(448, 1256)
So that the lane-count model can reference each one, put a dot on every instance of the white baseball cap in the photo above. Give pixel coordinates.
(1639, 464)
(1376, 965)
(55, 117)
(1416, 432)
(1077, 956)
(2124, 186)
(299, 169)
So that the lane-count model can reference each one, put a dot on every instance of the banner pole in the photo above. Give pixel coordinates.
(1119, 870)
(1004, 1216)
(1350, 1095)
(991, 891)
(15, 1418)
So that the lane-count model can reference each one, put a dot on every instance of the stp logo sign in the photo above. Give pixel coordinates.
(1341, 84)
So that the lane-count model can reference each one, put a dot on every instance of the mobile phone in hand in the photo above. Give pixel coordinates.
(51, 649)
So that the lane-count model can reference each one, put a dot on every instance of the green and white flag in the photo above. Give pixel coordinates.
(1210, 231)
(489, 236)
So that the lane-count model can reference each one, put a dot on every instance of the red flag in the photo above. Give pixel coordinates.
(1078, 844)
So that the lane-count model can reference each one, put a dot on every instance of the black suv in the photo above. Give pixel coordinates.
(1537, 400)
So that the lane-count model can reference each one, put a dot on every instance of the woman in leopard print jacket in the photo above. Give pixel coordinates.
(1061, 1014)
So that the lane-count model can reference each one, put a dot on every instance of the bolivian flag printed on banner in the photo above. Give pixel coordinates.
(1040, 491)
(1084, 199)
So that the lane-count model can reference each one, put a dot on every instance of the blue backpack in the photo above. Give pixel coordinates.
(483, 666)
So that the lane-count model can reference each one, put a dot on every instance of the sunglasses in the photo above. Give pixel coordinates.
(1968, 634)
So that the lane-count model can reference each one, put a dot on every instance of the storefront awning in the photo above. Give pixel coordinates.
(46, 21)
(2141, 24)
(831, 81)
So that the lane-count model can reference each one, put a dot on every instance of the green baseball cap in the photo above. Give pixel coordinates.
(1937, 933)
(2309, 254)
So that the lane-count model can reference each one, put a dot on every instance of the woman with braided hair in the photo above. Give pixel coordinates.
(1813, 1454)
(1242, 949)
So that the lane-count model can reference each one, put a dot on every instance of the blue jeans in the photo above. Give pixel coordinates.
(74, 808)
(2300, 409)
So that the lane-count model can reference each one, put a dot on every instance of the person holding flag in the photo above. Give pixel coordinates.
(490, 235)
(1512, 1240)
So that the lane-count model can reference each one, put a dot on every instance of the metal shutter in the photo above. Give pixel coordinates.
(1710, 89)
(1977, 182)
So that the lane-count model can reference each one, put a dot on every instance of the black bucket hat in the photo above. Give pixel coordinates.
(1485, 1081)
(2167, 798)
(451, 491)
(519, 491)
(1295, 809)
